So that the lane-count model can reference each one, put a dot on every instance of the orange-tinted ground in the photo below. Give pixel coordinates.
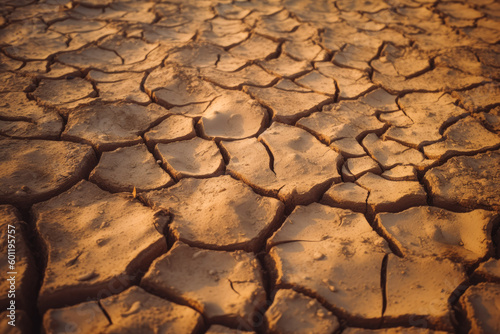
(280, 166)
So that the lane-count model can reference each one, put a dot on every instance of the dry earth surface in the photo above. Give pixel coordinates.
(251, 166)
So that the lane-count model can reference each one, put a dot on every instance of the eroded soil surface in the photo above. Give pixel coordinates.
(251, 166)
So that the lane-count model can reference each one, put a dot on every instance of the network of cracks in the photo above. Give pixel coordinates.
(279, 166)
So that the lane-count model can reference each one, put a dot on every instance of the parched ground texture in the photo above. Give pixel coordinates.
(267, 166)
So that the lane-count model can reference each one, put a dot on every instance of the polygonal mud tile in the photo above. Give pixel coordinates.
(438, 79)
(350, 82)
(479, 98)
(290, 103)
(191, 158)
(35, 170)
(459, 11)
(355, 56)
(219, 329)
(277, 25)
(226, 287)
(418, 289)
(126, 11)
(131, 50)
(404, 62)
(9, 64)
(239, 218)
(72, 25)
(22, 118)
(466, 61)
(190, 110)
(483, 33)
(380, 100)
(256, 47)
(318, 83)
(92, 57)
(401, 173)
(467, 136)
(170, 35)
(60, 92)
(59, 71)
(292, 312)
(251, 75)
(124, 90)
(427, 124)
(34, 68)
(124, 86)
(22, 323)
(346, 196)
(304, 165)
(233, 115)
(250, 162)
(302, 50)
(224, 33)
(36, 43)
(79, 40)
(16, 262)
(201, 55)
(84, 229)
(393, 330)
(11, 82)
(337, 35)
(348, 147)
(231, 11)
(347, 119)
(489, 271)
(429, 231)
(391, 196)
(174, 128)
(480, 305)
(397, 119)
(135, 310)
(357, 167)
(127, 168)
(466, 182)
(389, 153)
(333, 254)
(490, 120)
(366, 6)
(110, 126)
(86, 317)
(286, 67)
(173, 87)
